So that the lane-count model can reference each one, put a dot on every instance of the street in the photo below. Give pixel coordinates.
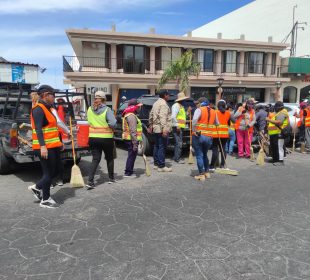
(168, 226)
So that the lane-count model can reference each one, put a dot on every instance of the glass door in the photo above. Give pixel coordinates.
(134, 59)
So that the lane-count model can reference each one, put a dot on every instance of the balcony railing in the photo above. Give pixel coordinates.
(143, 66)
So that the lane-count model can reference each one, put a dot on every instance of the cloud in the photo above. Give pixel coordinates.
(30, 33)
(104, 6)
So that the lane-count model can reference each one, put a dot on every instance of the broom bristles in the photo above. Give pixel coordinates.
(226, 171)
(190, 157)
(261, 157)
(252, 157)
(147, 166)
(76, 180)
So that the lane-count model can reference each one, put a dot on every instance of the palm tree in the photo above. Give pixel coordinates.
(180, 70)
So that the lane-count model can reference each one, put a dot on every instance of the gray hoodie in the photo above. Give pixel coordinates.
(111, 120)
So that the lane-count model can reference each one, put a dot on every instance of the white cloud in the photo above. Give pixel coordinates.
(15, 33)
(104, 6)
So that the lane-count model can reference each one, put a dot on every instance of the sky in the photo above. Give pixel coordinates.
(33, 31)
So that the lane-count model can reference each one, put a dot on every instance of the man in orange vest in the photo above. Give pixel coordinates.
(204, 121)
(301, 122)
(46, 144)
(221, 134)
(245, 120)
(307, 126)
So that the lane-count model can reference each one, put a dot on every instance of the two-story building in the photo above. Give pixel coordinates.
(130, 64)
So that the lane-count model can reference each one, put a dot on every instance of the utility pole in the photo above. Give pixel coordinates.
(296, 25)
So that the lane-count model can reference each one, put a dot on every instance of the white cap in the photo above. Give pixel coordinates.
(100, 94)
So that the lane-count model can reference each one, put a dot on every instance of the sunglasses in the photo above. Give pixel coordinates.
(51, 93)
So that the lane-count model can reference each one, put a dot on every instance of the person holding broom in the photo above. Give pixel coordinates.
(101, 123)
(245, 120)
(132, 134)
(46, 144)
(204, 122)
(221, 134)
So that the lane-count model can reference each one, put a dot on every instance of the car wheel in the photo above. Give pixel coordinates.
(146, 145)
(5, 163)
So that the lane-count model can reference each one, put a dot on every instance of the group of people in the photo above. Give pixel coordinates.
(212, 129)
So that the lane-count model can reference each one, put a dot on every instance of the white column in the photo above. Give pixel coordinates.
(113, 58)
(152, 60)
(152, 89)
(218, 66)
(115, 97)
(241, 64)
(267, 95)
(268, 65)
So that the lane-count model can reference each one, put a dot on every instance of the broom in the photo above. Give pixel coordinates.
(146, 164)
(252, 157)
(76, 180)
(190, 157)
(294, 139)
(225, 170)
(261, 155)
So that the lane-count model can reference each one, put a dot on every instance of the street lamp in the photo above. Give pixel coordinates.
(220, 82)
(278, 86)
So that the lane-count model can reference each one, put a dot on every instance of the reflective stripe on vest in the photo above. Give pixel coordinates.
(50, 131)
(222, 128)
(181, 117)
(126, 133)
(272, 128)
(206, 123)
(238, 121)
(307, 118)
(98, 126)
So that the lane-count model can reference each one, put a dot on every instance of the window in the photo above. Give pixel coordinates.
(255, 62)
(273, 63)
(289, 94)
(205, 58)
(134, 59)
(94, 54)
(169, 55)
(229, 61)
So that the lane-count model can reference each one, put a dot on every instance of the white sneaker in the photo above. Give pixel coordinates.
(164, 169)
(49, 203)
(36, 192)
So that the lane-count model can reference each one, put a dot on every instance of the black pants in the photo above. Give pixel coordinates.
(97, 145)
(215, 151)
(274, 147)
(49, 170)
(131, 158)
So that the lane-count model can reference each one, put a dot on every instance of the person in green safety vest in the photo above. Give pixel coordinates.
(101, 123)
(132, 134)
(178, 117)
(279, 121)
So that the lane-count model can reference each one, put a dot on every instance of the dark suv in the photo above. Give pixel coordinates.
(148, 101)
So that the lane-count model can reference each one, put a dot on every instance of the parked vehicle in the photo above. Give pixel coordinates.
(148, 101)
(16, 133)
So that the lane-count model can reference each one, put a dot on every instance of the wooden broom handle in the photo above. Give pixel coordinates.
(190, 128)
(72, 140)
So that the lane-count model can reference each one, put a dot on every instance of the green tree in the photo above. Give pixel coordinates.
(180, 70)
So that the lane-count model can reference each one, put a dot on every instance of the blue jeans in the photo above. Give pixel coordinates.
(159, 151)
(231, 141)
(201, 145)
(178, 136)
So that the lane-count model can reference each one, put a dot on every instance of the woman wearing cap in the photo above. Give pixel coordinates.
(245, 120)
(132, 134)
(101, 123)
(46, 144)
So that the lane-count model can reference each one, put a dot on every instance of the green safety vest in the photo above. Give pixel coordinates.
(181, 117)
(98, 126)
(273, 129)
(126, 133)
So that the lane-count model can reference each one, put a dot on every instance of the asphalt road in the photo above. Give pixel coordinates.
(167, 226)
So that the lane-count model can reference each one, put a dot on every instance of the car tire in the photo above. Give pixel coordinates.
(146, 145)
(5, 163)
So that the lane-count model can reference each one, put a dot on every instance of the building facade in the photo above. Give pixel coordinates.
(130, 65)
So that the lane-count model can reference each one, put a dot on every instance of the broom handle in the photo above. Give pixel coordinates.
(72, 140)
(221, 147)
(190, 128)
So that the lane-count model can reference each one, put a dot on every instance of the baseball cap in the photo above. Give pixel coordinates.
(100, 94)
(201, 100)
(134, 102)
(45, 88)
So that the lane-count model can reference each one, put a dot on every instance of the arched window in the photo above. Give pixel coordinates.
(304, 93)
(290, 94)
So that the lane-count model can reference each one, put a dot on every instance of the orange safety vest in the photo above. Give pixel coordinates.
(307, 118)
(221, 130)
(301, 117)
(206, 123)
(238, 121)
(50, 132)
